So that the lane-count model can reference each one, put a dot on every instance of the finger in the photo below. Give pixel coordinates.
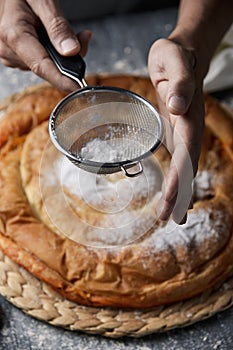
(10, 59)
(181, 84)
(172, 74)
(14, 64)
(180, 93)
(191, 202)
(164, 208)
(177, 186)
(39, 62)
(183, 221)
(84, 38)
(58, 28)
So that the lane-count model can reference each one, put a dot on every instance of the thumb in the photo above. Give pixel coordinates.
(179, 97)
(58, 28)
(63, 37)
(181, 87)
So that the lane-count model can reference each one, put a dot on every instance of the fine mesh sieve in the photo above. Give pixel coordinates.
(102, 129)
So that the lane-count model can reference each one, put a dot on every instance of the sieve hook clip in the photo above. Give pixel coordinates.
(139, 170)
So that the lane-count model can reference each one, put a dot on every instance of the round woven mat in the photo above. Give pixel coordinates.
(38, 300)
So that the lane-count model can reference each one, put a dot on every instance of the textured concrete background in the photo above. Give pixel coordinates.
(120, 44)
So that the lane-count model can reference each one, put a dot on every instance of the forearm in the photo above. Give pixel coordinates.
(200, 26)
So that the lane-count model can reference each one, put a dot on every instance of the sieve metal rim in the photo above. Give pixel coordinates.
(107, 165)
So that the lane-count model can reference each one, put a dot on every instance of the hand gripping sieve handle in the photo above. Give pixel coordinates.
(72, 66)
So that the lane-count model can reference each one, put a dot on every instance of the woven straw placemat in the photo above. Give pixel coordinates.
(38, 300)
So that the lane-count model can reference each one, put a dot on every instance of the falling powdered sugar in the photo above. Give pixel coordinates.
(125, 207)
(121, 205)
(117, 200)
(111, 193)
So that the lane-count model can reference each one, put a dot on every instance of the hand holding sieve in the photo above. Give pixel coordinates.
(102, 129)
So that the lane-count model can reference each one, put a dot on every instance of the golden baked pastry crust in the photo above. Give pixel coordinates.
(161, 267)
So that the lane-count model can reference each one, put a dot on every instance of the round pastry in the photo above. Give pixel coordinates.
(96, 239)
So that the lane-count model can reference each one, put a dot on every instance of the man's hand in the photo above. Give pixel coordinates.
(181, 104)
(19, 44)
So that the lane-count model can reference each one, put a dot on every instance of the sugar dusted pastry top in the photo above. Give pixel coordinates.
(96, 239)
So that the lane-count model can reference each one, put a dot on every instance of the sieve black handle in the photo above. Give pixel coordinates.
(72, 66)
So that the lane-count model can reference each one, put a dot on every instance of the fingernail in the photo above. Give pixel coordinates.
(191, 205)
(183, 221)
(69, 45)
(177, 104)
(178, 219)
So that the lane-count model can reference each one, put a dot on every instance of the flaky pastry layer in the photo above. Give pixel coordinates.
(165, 265)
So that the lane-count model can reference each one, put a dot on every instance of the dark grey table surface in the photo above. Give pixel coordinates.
(120, 45)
